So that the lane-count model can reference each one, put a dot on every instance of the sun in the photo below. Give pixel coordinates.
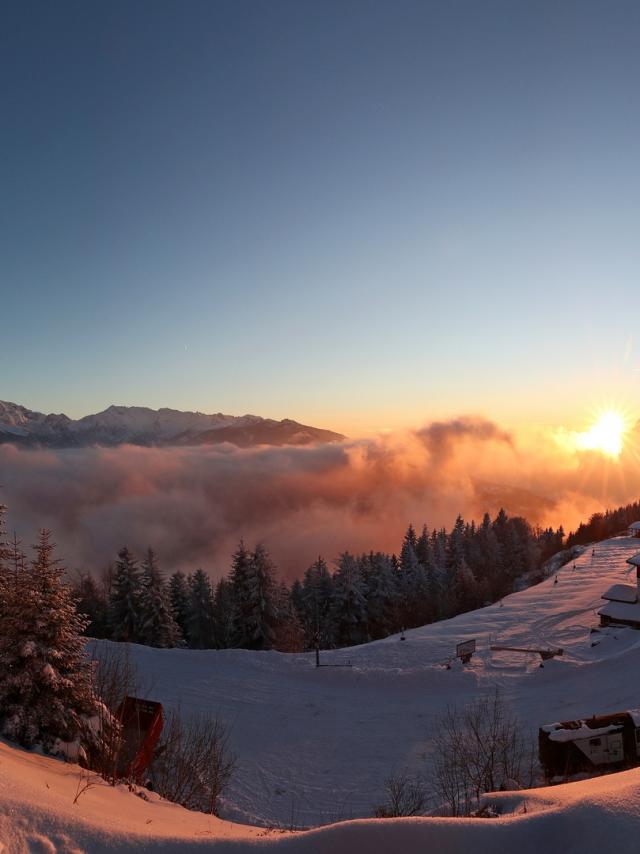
(606, 434)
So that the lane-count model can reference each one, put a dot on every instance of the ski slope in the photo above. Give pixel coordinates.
(316, 745)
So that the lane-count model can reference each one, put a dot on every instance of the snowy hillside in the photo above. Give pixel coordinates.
(38, 814)
(140, 425)
(315, 745)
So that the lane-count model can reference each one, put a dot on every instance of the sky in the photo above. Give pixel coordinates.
(361, 215)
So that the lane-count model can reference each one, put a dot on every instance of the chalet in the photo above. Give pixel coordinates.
(622, 606)
(634, 529)
(604, 743)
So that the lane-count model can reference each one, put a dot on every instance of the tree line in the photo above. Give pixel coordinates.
(436, 574)
(601, 526)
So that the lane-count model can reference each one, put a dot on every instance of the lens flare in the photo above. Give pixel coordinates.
(605, 435)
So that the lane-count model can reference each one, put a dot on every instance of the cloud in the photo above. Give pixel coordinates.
(193, 504)
(442, 437)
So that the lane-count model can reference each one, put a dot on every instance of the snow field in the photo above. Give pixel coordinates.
(315, 745)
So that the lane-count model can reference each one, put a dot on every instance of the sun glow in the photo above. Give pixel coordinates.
(605, 435)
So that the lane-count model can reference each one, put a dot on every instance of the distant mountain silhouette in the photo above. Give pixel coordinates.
(139, 425)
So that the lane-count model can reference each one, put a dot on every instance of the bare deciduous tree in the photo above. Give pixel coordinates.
(194, 763)
(478, 749)
(406, 795)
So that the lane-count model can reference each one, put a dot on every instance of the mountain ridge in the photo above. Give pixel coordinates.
(141, 425)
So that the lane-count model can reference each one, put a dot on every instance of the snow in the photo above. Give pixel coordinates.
(144, 426)
(621, 593)
(38, 814)
(621, 611)
(583, 731)
(315, 746)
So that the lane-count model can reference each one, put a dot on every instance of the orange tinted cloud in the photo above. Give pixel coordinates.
(193, 504)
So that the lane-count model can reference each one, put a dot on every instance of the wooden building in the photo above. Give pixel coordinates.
(622, 606)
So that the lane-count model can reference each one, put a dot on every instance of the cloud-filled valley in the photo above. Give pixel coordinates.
(193, 504)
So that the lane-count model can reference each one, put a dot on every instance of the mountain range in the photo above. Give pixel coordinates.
(139, 425)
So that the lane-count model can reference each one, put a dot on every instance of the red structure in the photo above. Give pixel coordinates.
(142, 723)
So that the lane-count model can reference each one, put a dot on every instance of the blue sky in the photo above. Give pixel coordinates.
(358, 214)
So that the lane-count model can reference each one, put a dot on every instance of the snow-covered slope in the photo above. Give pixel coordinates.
(38, 814)
(315, 745)
(143, 426)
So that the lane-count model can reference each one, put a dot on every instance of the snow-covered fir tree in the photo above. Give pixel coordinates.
(239, 579)
(200, 625)
(411, 582)
(157, 625)
(316, 601)
(288, 635)
(380, 593)
(260, 607)
(223, 614)
(45, 675)
(92, 603)
(179, 598)
(124, 601)
(349, 606)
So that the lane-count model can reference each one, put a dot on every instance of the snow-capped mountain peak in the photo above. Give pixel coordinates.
(141, 425)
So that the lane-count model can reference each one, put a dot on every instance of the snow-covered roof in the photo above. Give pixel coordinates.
(634, 526)
(634, 560)
(621, 593)
(583, 731)
(621, 611)
(635, 716)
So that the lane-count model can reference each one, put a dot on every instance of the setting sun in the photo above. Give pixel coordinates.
(605, 435)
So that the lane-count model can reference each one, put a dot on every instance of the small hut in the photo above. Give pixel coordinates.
(623, 601)
(634, 529)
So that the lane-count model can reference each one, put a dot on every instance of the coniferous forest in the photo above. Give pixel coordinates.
(358, 597)
(435, 574)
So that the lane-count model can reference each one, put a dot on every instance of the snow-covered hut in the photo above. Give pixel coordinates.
(623, 601)
(634, 529)
(596, 743)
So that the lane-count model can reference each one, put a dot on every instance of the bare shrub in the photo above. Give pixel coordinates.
(194, 762)
(405, 796)
(478, 749)
(114, 678)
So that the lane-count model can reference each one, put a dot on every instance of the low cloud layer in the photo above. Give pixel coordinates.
(193, 504)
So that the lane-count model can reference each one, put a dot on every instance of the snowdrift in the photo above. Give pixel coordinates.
(38, 814)
(316, 745)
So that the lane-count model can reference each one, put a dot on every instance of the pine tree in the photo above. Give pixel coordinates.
(260, 614)
(383, 614)
(200, 625)
(349, 604)
(239, 580)
(288, 635)
(223, 614)
(411, 583)
(45, 675)
(179, 599)
(5, 557)
(316, 604)
(92, 603)
(124, 602)
(157, 625)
